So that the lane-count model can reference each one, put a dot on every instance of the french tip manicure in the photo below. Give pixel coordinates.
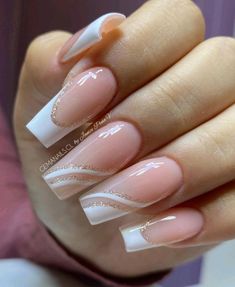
(44, 129)
(99, 156)
(91, 35)
(133, 240)
(77, 102)
(43, 135)
(166, 229)
(132, 189)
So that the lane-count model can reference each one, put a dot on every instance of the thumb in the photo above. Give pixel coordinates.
(41, 76)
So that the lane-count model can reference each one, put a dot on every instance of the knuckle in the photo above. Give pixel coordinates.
(224, 42)
(210, 141)
(183, 12)
(194, 14)
(40, 45)
(168, 95)
(221, 45)
(40, 66)
(221, 52)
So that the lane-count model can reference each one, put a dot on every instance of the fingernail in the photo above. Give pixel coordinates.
(171, 227)
(78, 101)
(136, 187)
(100, 155)
(90, 35)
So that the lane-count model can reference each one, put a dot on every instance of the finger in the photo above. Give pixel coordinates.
(41, 63)
(90, 35)
(206, 220)
(167, 228)
(191, 92)
(147, 41)
(160, 111)
(114, 76)
(217, 208)
(195, 163)
(206, 156)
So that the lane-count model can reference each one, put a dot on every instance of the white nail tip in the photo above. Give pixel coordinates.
(99, 214)
(43, 128)
(93, 33)
(134, 240)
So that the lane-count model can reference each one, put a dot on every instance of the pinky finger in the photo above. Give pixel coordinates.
(209, 219)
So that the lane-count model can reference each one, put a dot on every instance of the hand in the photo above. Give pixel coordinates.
(170, 131)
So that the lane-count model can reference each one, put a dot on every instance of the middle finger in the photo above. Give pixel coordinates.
(194, 90)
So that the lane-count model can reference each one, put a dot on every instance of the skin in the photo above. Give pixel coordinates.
(194, 102)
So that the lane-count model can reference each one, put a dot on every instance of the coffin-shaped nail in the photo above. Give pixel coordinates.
(100, 155)
(79, 101)
(136, 187)
(90, 35)
(172, 226)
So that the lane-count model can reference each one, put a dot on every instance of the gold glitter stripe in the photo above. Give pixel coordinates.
(113, 204)
(101, 201)
(76, 166)
(71, 177)
(125, 196)
(144, 231)
(56, 106)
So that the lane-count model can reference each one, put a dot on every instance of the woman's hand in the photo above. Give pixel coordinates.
(170, 130)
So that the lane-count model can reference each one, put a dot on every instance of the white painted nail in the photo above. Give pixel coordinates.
(134, 239)
(90, 35)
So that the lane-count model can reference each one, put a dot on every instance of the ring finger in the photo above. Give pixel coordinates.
(181, 99)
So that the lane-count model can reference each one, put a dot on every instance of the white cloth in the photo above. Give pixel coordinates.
(22, 273)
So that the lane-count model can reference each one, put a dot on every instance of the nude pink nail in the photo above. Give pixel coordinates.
(170, 227)
(136, 187)
(80, 100)
(99, 156)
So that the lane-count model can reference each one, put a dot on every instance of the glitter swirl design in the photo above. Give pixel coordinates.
(72, 175)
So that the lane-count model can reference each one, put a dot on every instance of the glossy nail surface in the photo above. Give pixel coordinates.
(136, 187)
(79, 101)
(100, 155)
(171, 227)
(90, 35)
